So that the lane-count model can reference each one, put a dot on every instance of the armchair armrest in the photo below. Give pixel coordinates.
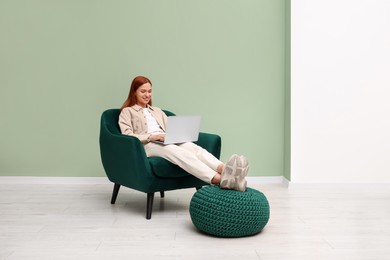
(210, 142)
(124, 160)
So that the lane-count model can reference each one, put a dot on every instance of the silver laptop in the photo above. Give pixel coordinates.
(181, 129)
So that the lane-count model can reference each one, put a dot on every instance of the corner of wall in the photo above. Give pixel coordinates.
(287, 94)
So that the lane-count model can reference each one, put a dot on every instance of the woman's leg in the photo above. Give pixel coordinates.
(204, 156)
(184, 158)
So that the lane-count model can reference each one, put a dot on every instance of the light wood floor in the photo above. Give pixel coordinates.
(77, 221)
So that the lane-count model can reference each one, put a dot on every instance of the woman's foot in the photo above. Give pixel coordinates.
(234, 172)
(216, 179)
(220, 168)
(240, 176)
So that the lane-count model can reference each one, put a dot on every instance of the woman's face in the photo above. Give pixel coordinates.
(144, 94)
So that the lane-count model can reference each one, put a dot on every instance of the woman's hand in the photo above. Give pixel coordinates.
(158, 137)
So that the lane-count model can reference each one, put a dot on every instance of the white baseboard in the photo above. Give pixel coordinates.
(52, 180)
(264, 179)
(104, 180)
(369, 186)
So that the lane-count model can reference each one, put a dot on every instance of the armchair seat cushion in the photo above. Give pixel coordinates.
(164, 169)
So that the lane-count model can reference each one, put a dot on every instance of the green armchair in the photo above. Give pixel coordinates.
(125, 162)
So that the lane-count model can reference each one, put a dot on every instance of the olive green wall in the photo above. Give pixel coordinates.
(65, 61)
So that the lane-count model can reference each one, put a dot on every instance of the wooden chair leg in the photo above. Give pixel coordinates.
(162, 194)
(115, 193)
(149, 205)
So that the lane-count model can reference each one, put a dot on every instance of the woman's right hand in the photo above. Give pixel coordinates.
(158, 137)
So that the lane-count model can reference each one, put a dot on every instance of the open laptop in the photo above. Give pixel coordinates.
(181, 129)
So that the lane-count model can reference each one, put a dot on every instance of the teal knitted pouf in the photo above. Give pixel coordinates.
(229, 213)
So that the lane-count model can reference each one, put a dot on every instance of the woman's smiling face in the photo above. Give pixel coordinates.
(144, 95)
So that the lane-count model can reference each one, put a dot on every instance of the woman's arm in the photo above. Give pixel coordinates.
(126, 123)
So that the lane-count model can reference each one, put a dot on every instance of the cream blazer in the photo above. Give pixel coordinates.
(132, 121)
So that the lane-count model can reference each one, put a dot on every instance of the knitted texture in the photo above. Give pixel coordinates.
(229, 213)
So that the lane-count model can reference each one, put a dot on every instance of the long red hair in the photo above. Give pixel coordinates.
(137, 82)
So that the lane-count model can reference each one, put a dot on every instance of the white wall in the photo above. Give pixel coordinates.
(340, 91)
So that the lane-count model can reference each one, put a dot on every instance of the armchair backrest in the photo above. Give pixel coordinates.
(110, 121)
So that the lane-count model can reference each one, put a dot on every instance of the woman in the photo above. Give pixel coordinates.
(138, 118)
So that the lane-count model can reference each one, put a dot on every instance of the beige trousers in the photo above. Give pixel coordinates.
(188, 156)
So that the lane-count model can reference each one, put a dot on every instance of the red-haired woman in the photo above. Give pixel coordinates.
(148, 123)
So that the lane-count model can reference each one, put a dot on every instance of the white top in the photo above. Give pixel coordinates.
(153, 126)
